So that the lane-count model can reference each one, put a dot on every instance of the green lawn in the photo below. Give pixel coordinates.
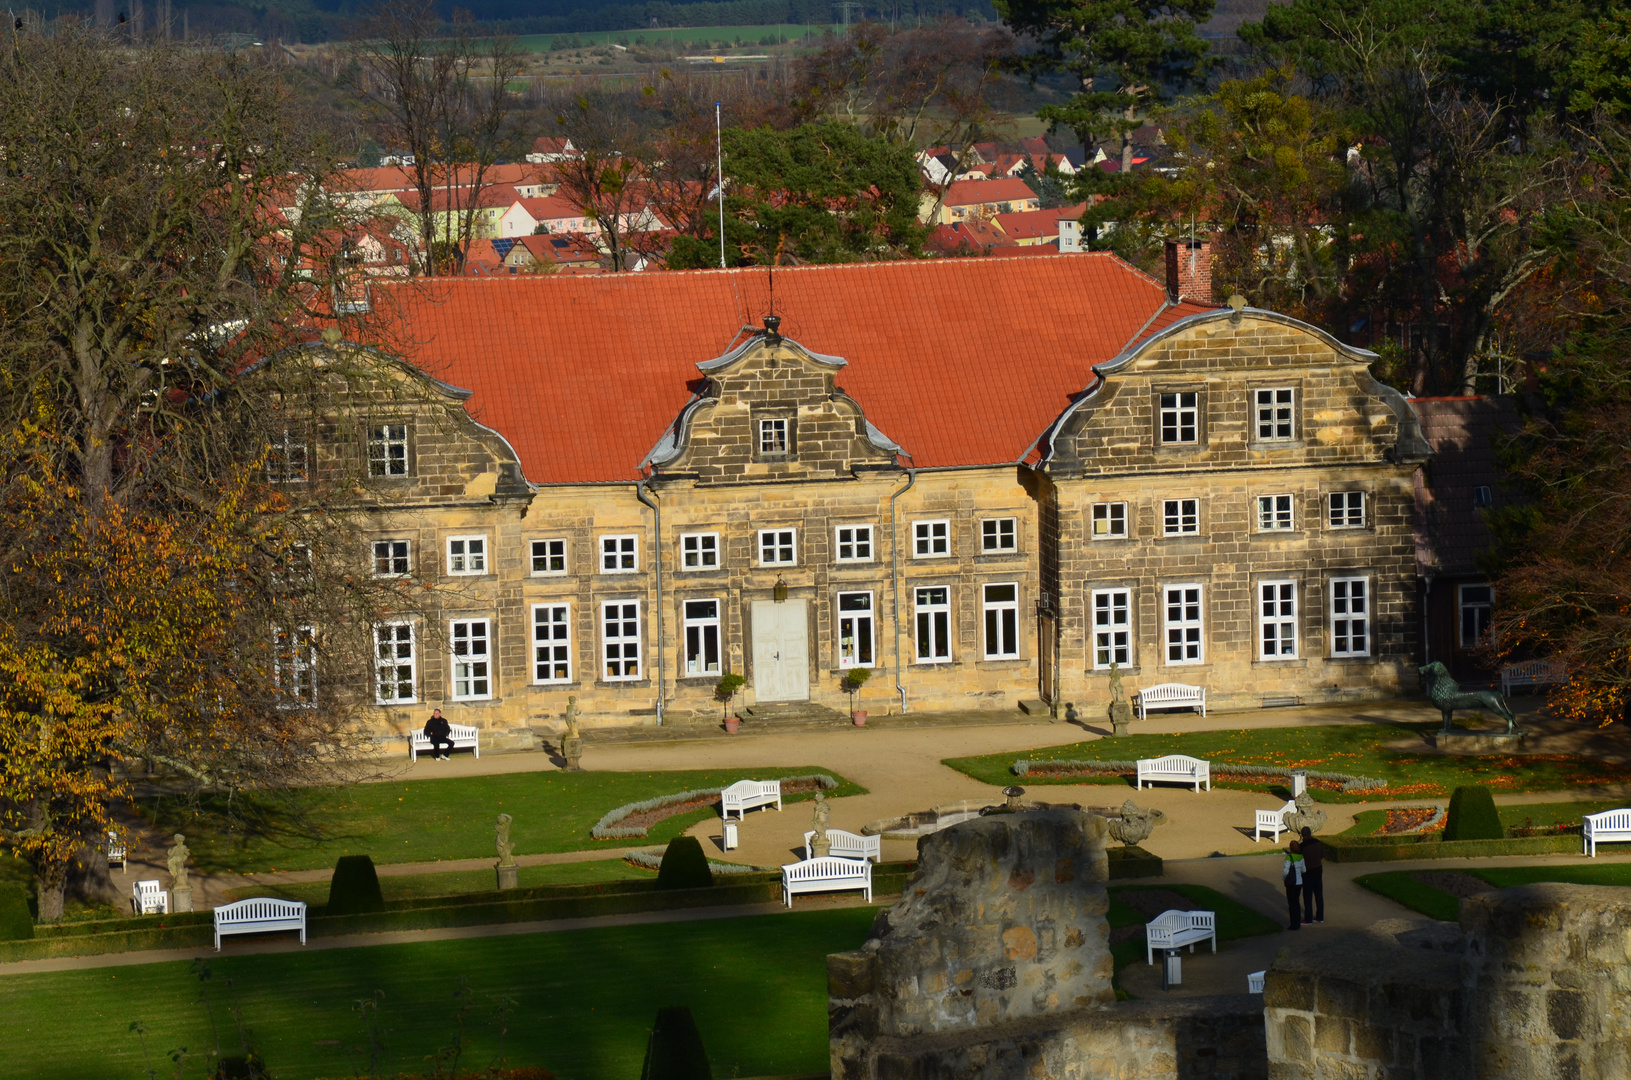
(750, 35)
(453, 883)
(583, 1002)
(1522, 816)
(1235, 920)
(1356, 749)
(1400, 887)
(1503, 877)
(426, 820)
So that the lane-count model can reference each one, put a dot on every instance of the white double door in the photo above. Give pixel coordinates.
(781, 650)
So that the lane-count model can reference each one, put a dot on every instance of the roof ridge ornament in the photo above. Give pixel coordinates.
(1237, 304)
(773, 324)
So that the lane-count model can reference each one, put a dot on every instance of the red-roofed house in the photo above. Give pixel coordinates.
(622, 486)
(1037, 226)
(981, 198)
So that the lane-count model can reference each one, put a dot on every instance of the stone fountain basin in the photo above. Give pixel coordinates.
(923, 822)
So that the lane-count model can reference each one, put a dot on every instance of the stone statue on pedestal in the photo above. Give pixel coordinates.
(508, 871)
(181, 891)
(1305, 816)
(1121, 713)
(572, 742)
(1135, 823)
(819, 845)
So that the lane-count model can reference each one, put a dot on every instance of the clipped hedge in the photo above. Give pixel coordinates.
(1472, 815)
(354, 887)
(1351, 849)
(675, 1051)
(652, 859)
(1220, 773)
(1133, 862)
(608, 829)
(684, 866)
(16, 923)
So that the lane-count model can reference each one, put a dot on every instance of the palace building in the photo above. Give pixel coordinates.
(986, 480)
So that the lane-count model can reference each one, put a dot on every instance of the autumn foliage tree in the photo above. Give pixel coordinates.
(172, 586)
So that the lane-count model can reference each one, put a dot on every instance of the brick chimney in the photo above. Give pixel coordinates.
(1189, 270)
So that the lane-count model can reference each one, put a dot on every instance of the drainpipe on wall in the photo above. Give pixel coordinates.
(640, 492)
(894, 579)
(1426, 619)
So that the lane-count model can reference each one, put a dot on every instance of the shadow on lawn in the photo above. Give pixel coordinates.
(221, 829)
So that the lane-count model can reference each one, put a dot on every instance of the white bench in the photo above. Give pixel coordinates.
(149, 898)
(1180, 767)
(463, 735)
(1608, 827)
(746, 795)
(827, 874)
(258, 915)
(1172, 695)
(1274, 821)
(848, 845)
(1532, 673)
(116, 850)
(1175, 929)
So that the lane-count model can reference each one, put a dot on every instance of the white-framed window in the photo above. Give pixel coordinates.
(1110, 521)
(773, 440)
(1476, 604)
(1350, 616)
(931, 539)
(1181, 517)
(1180, 414)
(1276, 620)
(472, 659)
(1274, 513)
(998, 535)
(388, 450)
(1275, 418)
(1112, 628)
(395, 664)
(778, 547)
(699, 551)
(619, 554)
(549, 556)
(854, 543)
(855, 629)
(1186, 642)
(1000, 605)
(286, 460)
(1482, 498)
(294, 665)
(701, 627)
(392, 558)
(551, 643)
(620, 640)
(467, 555)
(1346, 509)
(932, 607)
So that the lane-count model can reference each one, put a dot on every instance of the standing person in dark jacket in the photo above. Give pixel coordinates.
(440, 734)
(1313, 878)
(1292, 872)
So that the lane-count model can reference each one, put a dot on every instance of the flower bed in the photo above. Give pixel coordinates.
(1250, 774)
(652, 859)
(635, 819)
(1412, 819)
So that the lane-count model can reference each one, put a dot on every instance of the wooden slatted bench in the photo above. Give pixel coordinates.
(827, 874)
(1274, 821)
(745, 795)
(1611, 826)
(1171, 695)
(464, 736)
(1178, 767)
(258, 915)
(1175, 929)
(1532, 673)
(848, 845)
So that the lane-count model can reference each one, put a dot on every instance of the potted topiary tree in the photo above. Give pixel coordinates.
(853, 681)
(724, 690)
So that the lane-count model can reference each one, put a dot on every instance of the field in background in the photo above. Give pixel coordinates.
(750, 35)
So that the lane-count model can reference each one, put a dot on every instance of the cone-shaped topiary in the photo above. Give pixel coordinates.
(16, 924)
(1472, 815)
(355, 887)
(675, 1050)
(684, 866)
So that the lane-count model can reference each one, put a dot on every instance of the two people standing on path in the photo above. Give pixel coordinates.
(1304, 876)
(440, 734)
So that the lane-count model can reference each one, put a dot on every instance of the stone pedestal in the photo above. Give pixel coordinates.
(572, 751)
(508, 876)
(1459, 741)
(1121, 714)
(181, 899)
(820, 846)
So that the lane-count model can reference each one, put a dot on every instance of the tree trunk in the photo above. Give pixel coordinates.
(51, 880)
(1127, 143)
(90, 879)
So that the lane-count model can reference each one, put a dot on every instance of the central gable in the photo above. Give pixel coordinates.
(771, 411)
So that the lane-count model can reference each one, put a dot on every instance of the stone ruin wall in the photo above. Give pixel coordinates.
(996, 966)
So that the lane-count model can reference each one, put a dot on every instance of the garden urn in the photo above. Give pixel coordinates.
(859, 716)
(732, 723)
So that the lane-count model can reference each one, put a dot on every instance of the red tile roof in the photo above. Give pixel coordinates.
(584, 375)
(1031, 224)
(978, 192)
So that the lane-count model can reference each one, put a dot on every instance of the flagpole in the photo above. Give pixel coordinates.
(719, 161)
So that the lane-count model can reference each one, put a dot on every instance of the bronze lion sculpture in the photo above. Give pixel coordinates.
(1448, 696)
